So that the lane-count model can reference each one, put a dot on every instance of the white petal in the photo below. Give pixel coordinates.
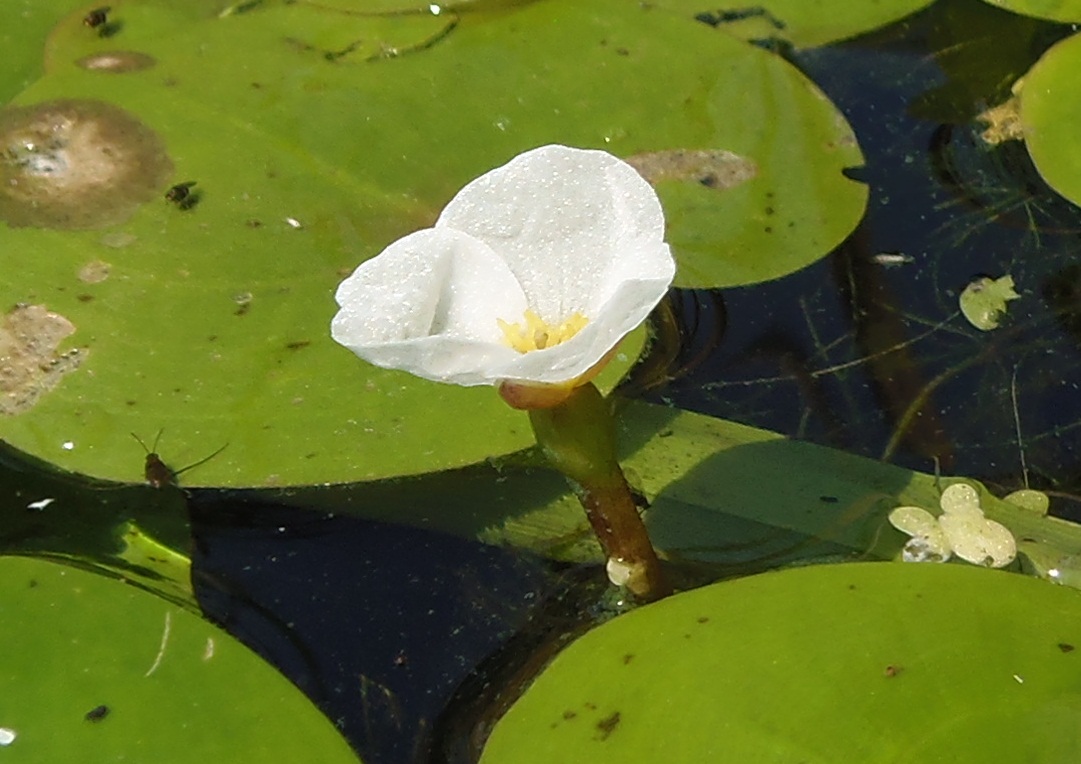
(429, 304)
(979, 541)
(960, 497)
(572, 225)
(625, 309)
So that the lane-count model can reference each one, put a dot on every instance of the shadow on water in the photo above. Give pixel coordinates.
(383, 625)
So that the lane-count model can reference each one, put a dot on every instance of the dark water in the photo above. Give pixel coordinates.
(873, 357)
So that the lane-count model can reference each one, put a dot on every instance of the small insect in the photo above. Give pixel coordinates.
(97, 18)
(97, 713)
(182, 196)
(157, 473)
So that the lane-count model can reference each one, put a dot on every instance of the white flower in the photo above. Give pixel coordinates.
(962, 530)
(532, 275)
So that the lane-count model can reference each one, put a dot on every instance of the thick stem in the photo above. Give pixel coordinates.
(578, 437)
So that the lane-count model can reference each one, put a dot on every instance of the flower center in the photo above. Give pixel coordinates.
(533, 333)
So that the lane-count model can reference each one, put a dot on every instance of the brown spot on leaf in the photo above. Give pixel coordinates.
(607, 725)
(716, 168)
(628, 658)
(76, 164)
(94, 272)
(117, 62)
(29, 363)
(892, 671)
(1066, 647)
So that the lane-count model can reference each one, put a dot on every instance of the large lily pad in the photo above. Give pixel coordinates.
(1050, 109)
(172, 688)
(333, 133)
(1056, 10)
(872, 662)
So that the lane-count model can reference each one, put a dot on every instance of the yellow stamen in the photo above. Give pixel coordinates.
(533, 333)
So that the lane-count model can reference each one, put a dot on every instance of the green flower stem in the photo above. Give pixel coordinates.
(578, 438)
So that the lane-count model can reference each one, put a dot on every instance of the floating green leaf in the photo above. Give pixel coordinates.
(1056, 10)
(316, 135)
(872, 662)
(983, 301)
(171, 688)
(1050, 111)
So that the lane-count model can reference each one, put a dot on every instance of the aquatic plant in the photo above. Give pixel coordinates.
(528, 281)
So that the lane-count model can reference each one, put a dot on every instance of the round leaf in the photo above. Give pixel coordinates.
(170, 687)
(1050, 110)
(874, 662)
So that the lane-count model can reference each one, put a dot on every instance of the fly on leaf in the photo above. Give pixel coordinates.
(157, 473)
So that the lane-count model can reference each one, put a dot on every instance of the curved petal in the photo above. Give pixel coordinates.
(429, 305)
(571, 224)
(626, 307)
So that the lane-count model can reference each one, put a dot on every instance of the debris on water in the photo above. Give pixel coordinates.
(1004, 120)
(890, 259)
(983, 301)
